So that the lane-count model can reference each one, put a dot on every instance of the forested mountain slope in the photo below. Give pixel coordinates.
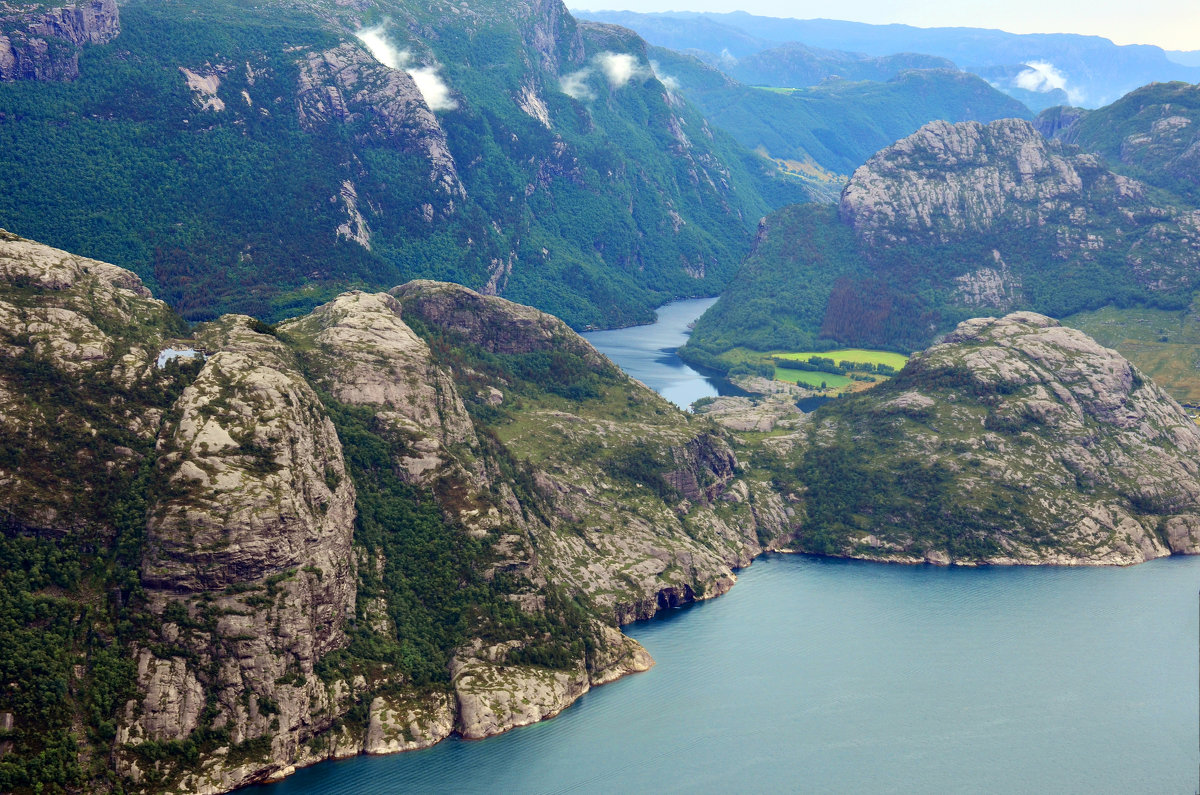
(261, 159)
(953, 221)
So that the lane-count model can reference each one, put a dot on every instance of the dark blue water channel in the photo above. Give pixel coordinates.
(817, 675)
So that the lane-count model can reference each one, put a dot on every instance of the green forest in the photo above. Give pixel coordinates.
(236, 210)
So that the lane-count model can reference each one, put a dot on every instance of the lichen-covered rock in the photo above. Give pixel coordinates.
(87, 331)
(950, 181)
(1016, 440)
(408, 724)
(41, 44)
(494, 697)
(645, 469)
(248, 561)
(576, 497)
(494, 324)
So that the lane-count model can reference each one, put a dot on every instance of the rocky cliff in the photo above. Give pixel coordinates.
(601, 452)
(1016, 440)
(950, 181)
(947, 180)
(43, 44)
(958, 220)
(346, 534)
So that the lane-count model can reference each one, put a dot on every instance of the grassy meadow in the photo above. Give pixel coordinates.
(834, 383)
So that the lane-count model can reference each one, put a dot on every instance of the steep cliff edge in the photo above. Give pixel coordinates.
(247, 564)
(344, 534)
(1015, 441)
(41, 44)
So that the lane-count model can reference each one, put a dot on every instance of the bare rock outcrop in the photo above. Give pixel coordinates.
(248, 563)
(1016, 440)
(345, 85)
(947, 182)
(494, 324)
(40, 44)
(367, 356)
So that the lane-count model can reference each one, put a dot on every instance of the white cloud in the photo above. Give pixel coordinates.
(620, 67)
(433, 88)
(382, 49)
(1043, 77)
(431, 85)
(669, 82)
(575, 84)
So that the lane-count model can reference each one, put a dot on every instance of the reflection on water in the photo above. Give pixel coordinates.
(647, 353)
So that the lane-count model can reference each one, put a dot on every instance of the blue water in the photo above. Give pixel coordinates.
(817, 676)
(648, 353)
(835, 676)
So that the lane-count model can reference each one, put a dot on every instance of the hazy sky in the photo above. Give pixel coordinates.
(1171, 24)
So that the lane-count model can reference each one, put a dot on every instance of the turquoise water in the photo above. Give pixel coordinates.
(836, 676)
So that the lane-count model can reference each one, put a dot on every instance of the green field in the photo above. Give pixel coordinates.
(833, 382)
(809, 378)
(857, 355)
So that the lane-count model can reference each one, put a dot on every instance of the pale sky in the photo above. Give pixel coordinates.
(1171, 24)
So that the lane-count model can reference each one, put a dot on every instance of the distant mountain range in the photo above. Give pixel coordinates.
(1039, 69)
(828, 130)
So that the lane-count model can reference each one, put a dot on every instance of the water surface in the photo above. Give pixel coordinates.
(820, 676)
(836, 676)
(647, 353)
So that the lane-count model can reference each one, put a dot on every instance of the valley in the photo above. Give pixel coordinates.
(378, 376)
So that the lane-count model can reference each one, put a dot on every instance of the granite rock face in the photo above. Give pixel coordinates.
(950, 179)
(248, 561)
(1040, 446)
(948, 182)
(368, 356)
(39, 44)
(345, 85)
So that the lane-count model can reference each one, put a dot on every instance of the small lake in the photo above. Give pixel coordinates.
(648, 353)
(817, 675)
